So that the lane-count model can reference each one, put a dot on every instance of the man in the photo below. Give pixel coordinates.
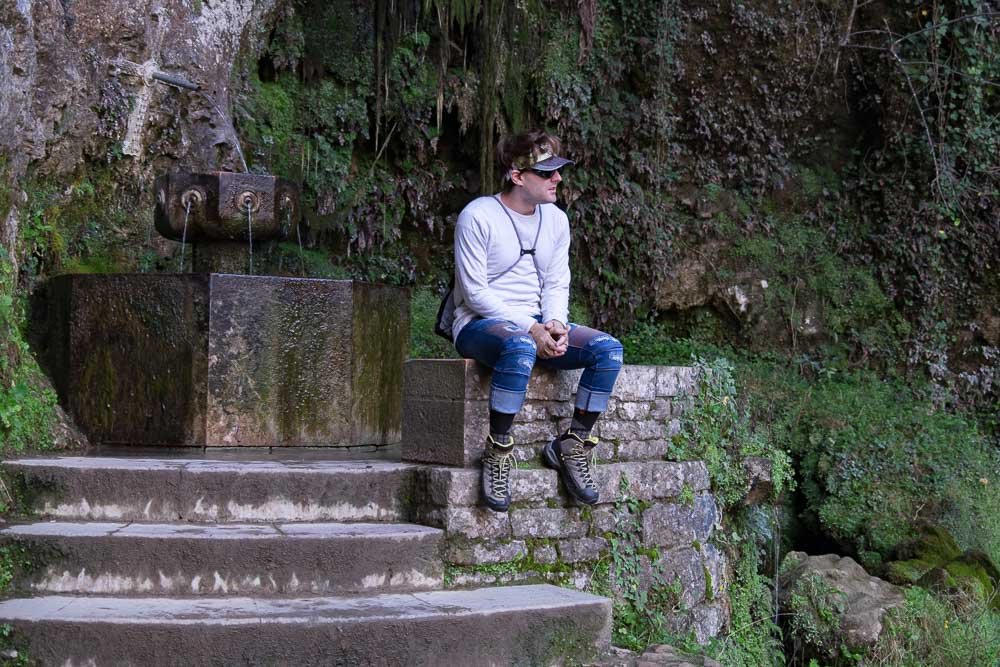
(512, 300)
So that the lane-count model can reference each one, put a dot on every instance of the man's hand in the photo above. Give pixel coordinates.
(559, 333)
(550, 339)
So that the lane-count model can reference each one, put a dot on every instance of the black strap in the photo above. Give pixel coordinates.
(524, 251)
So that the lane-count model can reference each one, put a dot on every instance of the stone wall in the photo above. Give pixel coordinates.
(446, 411)
(664, 509)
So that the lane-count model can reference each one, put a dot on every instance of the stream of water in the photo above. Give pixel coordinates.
(298, 236)
(225, 120)
(187, 212)
(250, 234)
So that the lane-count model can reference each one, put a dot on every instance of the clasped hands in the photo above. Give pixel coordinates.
(551, 338)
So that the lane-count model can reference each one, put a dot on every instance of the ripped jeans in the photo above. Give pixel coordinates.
(510, 352)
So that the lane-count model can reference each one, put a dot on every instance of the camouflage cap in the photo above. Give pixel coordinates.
(541, 157)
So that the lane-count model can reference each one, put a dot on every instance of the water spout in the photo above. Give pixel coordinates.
(219, 212)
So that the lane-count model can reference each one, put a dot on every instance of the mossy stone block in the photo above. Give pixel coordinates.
(229, 360)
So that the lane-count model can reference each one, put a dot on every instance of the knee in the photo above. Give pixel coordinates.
(521, 347)
(608, 352)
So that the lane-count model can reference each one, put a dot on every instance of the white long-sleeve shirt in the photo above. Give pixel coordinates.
(486, 245)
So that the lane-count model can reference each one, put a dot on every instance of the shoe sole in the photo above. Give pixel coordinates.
(495, 509)
(551, 460)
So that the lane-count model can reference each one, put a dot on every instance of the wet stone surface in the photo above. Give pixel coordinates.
(229, 360)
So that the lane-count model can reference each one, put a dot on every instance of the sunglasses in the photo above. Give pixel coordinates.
(543, 174)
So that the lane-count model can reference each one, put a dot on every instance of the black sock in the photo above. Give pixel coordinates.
(500, 423)
(583, 422)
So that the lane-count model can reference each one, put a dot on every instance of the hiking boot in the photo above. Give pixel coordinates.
(575, 466)
(498, 459)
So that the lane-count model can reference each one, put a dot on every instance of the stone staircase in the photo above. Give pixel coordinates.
(306, 556)
(163, 561)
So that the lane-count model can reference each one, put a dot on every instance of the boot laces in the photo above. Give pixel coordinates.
(500, 464)
(584, 459)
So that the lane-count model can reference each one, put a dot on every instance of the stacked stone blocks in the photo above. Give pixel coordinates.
(546, 535)
(446, 411)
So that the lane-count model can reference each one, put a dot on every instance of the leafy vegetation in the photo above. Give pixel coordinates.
(14, 559)
(16, 655)
(871, 461)
(82, 227)
(718, 430)
(424, 343)
(833, 164)
(876, 458)
(644, 600)
(929, 630)
(27, 405)
(817, 610)
(754, 638)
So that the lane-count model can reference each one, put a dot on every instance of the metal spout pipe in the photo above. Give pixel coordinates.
(173, 80)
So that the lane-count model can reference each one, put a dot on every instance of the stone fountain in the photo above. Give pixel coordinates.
(223, 214)
(220, 357)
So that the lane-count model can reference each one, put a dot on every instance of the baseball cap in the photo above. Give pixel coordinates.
(541, 158)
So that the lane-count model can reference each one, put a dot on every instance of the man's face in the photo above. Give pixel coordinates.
(538, 188)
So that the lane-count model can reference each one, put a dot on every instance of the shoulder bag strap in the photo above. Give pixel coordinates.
(524, 251)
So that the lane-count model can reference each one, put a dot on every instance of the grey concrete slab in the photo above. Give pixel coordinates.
(389, 452)
(496, 626)
(103, 463)
(150, 489)
(241, 464)
(62, 529)
(194, 531)
(391, 530)
(227, 559)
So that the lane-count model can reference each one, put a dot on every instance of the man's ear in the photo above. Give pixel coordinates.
(515, 177)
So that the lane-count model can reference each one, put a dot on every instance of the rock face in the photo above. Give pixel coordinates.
(73, 101)
(861, 599)
(66, 94)
(760, 474)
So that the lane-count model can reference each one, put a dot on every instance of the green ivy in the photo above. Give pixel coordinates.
(876, 457)
(718, 430)
(27, 406)
(632, 576)
(754, 640)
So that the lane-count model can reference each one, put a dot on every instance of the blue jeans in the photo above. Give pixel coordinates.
(510, 352)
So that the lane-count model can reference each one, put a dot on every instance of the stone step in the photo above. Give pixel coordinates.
(176, 489)
(227, 559)
(537, 625)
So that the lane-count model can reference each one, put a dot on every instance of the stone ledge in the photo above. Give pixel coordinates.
(446, 411)
(648, 480)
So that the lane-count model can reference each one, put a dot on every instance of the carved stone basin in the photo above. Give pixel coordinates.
(221, 360)
(225, 206)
